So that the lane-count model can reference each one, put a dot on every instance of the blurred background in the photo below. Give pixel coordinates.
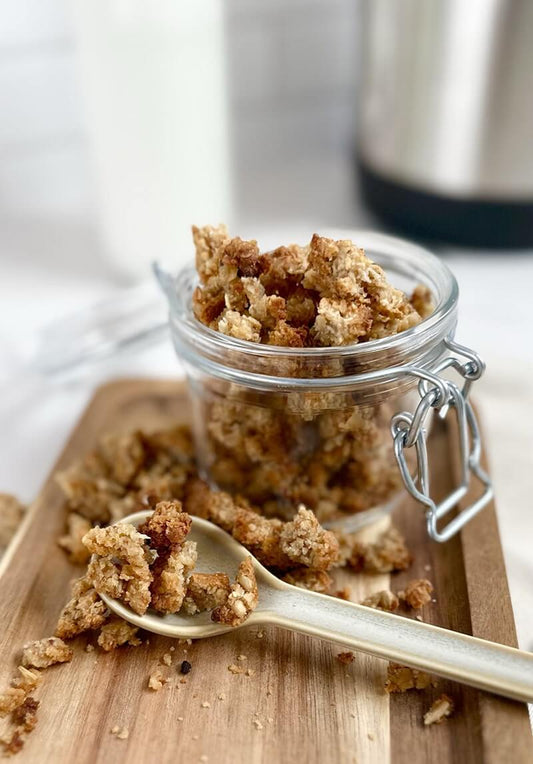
(125, 121)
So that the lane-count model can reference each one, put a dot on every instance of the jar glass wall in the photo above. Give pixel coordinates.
(282, 426)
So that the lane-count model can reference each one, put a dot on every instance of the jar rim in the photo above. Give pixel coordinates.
(204, 347)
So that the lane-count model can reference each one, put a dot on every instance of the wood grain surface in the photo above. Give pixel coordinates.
(300, 704)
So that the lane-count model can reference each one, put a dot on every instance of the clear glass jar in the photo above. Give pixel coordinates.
(281, 426)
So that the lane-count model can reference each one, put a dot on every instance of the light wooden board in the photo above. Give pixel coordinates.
(319, 710)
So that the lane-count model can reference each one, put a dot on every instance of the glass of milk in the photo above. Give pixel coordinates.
(153, 83)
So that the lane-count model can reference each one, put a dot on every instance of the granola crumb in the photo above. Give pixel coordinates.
(71, 542)
(439, 711)
(180, 718)
(221, 696)
(402, 678)
(117, 632)
(232, 668)
(370, 736)
(257, 724)
(166, 659)
(123, 734)
(417, 593)
(114, 729)
(383, 600)
(270, 719)
(250, 672)
(206, 704)
(346, 658)
(89, 648)
(260, 635)
(242, 657)
(156, 680)
(46, 652)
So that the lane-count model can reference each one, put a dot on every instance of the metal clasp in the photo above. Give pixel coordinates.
(408, 431)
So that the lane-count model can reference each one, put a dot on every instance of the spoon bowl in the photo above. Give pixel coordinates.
(486, 665)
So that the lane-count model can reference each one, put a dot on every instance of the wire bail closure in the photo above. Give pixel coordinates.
(408, 431)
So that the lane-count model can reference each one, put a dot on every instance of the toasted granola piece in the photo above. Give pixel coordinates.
(239, 326)
(242, 599)
(308, 578)
(84, 611)
(262, 537)
(439, 710)
(89, 492)
(167, 527)
(123, 455)
(170, 571)
(387, 554)
(267, 309)
(25, 716)
(307, 543)
(20, 688)
(205, 591)
(341, 322)
(422, 301)
(125, 543)
(417, 593)
(11, 513)
(210, 242)
(336, 268)
(217, 506)
(402, 678)
(77, 527)
(45, 652)
(117, 632)
(108, 577)
(383, 600)
(285, 335)
(170, 447)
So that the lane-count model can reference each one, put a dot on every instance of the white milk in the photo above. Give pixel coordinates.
(152, 76)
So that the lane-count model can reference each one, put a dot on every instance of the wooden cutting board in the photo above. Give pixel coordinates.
(300, 704)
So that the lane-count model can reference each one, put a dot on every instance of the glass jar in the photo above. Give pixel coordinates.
(338, 429)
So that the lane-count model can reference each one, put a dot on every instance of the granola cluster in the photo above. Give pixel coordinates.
(325, 294)
(322, 450)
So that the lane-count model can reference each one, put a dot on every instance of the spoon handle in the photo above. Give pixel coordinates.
(485, 665)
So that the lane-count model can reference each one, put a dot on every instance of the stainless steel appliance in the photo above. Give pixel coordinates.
(445, 117)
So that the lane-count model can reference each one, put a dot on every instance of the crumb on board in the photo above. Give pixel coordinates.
(402, 678)
(439, 711)
(417, 593)
(46, 652)
(346, 658)
(156, 680)
(166, 659)
(20, 687)
(122, 733)
(117, 632)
